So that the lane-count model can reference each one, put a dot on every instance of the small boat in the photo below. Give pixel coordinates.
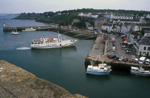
(139, 71)
(48, 43)
(29, 29)
(15, 32)
(101, 69)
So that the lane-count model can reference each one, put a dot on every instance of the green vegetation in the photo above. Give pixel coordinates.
(79, 35)
(66, 17)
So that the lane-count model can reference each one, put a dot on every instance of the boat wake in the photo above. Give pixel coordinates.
(23, 48)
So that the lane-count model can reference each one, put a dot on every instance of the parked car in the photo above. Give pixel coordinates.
(131, 60)
(113, 56)
(125, 59)
(123, 46)
(109, 55)
(125, 49)
(114, 48)
(116, 58)
(113, 44)
(128, 51)
(147, 61)
(135, 60)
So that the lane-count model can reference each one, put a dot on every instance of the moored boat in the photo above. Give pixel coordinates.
(101, 69)
(57, 42)
(139, 71)
(15, 32)
(29, 29)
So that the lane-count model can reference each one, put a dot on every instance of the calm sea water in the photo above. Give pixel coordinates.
(65, 67)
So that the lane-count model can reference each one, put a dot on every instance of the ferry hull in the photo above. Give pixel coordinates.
(50, 47)
(97, 73)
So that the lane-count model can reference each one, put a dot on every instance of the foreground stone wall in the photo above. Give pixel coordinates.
(18, 83)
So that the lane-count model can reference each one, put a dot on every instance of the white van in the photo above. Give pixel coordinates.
(147, 61)
(141, 60)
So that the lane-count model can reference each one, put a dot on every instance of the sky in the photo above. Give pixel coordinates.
(40, 6)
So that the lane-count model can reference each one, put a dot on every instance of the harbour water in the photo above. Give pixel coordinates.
(65, 66)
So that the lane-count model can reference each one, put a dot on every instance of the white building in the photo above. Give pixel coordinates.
(135, 27)
(125, 28)
(144, 46)
(94, 16)
(107, 27)
(84, 14)
(117, 29)
(87, 15)
(148, 16)
(119, 16)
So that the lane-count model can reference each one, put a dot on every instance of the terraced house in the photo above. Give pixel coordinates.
(143, 46)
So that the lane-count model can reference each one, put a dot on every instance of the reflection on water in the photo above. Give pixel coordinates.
(98, 77)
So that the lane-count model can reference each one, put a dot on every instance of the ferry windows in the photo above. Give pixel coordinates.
(144, 48)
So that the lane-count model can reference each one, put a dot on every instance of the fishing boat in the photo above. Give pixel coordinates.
(101, 69)
(15, 32)
(139, 71)
(57, 42)
(29, 29)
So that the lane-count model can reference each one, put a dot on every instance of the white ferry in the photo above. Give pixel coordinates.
(47, 43)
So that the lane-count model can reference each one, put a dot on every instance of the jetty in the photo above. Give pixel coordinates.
(18, 83)
(73, 33)
(99, 53)
(38, 28)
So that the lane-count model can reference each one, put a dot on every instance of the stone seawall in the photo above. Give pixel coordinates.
(18, 83)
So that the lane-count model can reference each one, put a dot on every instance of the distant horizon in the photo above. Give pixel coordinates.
(40, 6)
(76, 9)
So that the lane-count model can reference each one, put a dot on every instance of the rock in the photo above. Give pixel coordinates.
(18, 83)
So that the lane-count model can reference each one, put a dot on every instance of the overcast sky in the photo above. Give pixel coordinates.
(39, 6)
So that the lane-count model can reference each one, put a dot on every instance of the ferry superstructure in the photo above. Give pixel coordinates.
(57, 42)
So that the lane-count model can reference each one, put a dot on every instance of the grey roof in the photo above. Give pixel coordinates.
(145, 41)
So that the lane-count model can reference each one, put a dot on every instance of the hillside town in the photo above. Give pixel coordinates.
(133, 29)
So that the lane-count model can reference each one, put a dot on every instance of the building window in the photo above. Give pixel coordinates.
(149, 48)
(144, 48)
(147, 53)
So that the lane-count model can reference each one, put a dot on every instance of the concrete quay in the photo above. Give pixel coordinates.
(18, 83)
(99, 54)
